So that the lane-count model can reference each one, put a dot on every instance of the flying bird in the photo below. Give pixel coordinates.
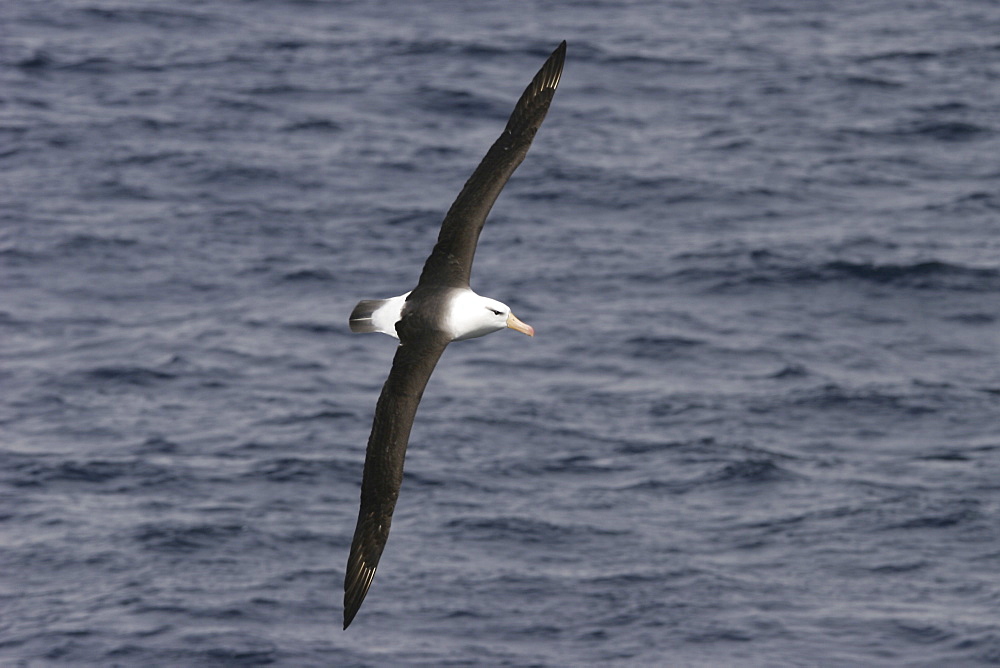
(442, 308)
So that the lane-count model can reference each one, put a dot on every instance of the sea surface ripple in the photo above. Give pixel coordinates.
(759, 242)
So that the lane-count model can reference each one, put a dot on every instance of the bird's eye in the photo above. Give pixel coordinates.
(495, 312)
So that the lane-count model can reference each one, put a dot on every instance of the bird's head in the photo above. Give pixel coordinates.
(474, 316)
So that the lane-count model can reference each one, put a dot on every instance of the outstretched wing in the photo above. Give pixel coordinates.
(450, 263)
(397, 405)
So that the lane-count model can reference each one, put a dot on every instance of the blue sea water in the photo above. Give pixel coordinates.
(759, 424)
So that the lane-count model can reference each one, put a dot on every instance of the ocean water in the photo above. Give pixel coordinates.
(759, 424)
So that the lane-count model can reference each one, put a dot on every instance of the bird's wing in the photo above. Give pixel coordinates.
(450, 263)
(397, 405)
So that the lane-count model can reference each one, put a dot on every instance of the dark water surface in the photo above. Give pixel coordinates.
(759, 241)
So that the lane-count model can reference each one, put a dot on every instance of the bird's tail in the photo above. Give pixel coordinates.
(361, 316)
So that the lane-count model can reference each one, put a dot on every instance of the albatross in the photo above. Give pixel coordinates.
(442, 308)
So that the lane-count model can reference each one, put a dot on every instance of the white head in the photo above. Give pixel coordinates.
(471, 315)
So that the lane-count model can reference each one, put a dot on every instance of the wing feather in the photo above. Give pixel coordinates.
(450, 263)
(412, 366)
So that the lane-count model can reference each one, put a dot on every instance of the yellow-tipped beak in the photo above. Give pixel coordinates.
(514, 323)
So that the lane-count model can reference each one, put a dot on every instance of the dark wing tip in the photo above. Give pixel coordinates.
(355, 591)
(366, 550)
(358, 578)
(534, 101)
(557, 59)
(550, 73)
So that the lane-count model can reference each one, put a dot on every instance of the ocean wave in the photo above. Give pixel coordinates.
(126, 474)
(753, 471)
(309, 275)
(924, 274)
(660, 347)
(77, 243)
(933, 129)
(742, 269)
(938, 515)
(525, 530)
(157, 17)
(899, 54)
(297, 469)
(467, 104)
(174, 536)
(568, 465)
(866, 400)
(139, 376)
(979, 201)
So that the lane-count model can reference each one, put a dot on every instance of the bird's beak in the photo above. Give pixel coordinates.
(514, 323)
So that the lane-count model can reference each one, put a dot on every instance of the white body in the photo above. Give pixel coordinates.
(386, 316)
(467, 316)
